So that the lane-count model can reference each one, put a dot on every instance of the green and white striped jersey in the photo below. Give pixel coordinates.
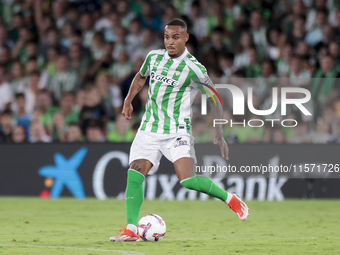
(172, 88)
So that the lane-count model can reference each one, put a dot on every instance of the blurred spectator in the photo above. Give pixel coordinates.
(258, 32)
(149, 20)
(4, 37)
(322, 133)
(133, 39)
(120, 69)
(25, 36)
(226, 64)
(6, 93)
(282, 63)
(334, 51)
(124, 12)
(110, 31)
(170, 13)
(65, 116)
(79, 63)
(272, 35)
(86, 25)
(327, 37)
(18, 134)
(325, 88)
(77, 38)
(122, 131)
(299, 76)
(73, 133)
(215, 48)
(200, 26)
(5, 55)
(120, 43)
(52, 41)
(68, 31)
(17, 23)
(21, 116)
(315, 34)
(277, 136)
(125, 84)
(94, 132)
(44, 103)
(58, 8)
(297, 34)
(38, 133)
(103, 63)
(149, 42)
(253, 70)
(80, 99)
(98, 45)
(31, 91)
(104, 21)
(18, 82)
(64, 79)
(6, 127)
(32, 65)
(92, 109)
(110, 95)
(312, 17)
(242, 56)
(336, 137)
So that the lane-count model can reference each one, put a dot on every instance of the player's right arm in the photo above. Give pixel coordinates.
(136, 85)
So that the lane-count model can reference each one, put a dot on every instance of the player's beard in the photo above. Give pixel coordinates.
(172, 55)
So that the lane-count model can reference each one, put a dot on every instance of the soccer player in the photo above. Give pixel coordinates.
(165, 128)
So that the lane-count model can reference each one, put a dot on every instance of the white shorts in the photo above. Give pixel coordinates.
(152, 146)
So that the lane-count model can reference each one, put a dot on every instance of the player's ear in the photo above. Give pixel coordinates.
(186, 37)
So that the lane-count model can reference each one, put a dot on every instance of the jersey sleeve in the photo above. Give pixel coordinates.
(202, 80)
(145, 69)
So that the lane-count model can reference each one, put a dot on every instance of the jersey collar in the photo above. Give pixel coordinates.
(178, 59)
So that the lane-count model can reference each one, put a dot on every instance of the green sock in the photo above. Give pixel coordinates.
(205, 185)
(134, 196)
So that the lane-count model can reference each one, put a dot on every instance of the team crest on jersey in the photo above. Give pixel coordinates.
(159, 77)
(178, 72)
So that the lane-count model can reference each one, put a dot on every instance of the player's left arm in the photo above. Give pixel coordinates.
(217, 112)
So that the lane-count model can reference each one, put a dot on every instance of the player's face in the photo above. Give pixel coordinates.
(175, 38)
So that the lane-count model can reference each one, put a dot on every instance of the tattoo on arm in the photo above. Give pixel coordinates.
(140, 86)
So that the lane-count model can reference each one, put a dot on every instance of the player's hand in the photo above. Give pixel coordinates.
(127, 110)
(223, 146)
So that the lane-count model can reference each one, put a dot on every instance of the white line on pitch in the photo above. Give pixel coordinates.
(74, 248)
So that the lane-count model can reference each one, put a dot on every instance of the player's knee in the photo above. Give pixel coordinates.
(141, 165)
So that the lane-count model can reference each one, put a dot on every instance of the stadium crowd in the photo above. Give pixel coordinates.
(66, 66)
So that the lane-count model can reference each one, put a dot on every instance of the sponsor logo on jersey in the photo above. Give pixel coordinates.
(164, 79)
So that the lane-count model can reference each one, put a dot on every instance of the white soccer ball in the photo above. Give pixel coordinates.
(151, 227)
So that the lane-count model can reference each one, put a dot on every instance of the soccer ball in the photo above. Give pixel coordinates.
(151, 227)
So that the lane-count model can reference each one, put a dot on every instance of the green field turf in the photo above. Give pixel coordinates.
(69, 226)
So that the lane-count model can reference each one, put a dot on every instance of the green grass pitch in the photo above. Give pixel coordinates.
(69, 226)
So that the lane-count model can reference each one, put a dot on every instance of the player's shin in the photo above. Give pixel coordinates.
(133, 198)
(205, 185)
